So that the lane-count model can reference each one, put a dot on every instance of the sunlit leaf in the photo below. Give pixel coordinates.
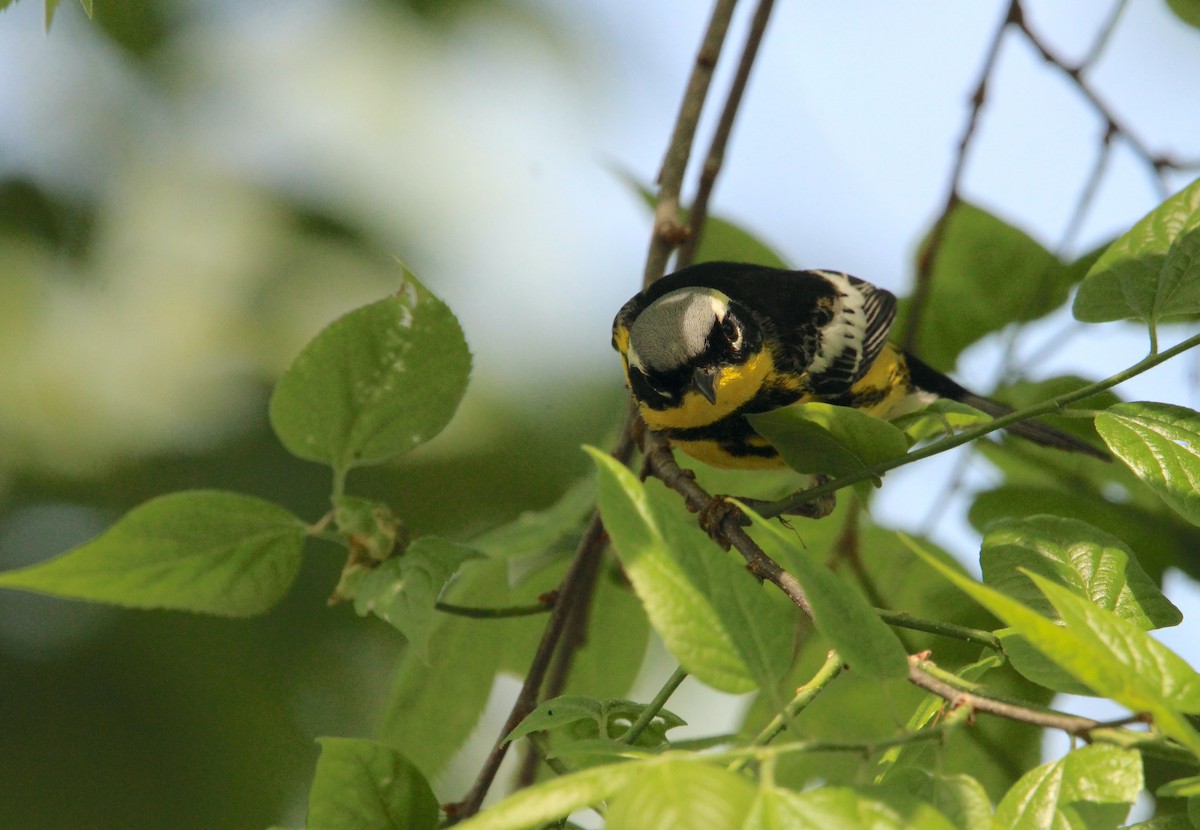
(939, 420)
(551, 800)
(201, 550)
(775, 808)
(1091, 788)
(1161, 444)
(1112, 656)
(840, 613)
(375, 383)
(361, 783)
(715, 618)
(1091, 563)
(834, 440)
(674, 795)
(1153, 271)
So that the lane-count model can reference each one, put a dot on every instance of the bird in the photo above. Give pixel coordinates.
(712, 343)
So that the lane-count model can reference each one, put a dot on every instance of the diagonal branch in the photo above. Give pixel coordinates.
(716, 150)
(668, 232)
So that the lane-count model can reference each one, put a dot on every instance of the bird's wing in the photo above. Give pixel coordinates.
(850, 342)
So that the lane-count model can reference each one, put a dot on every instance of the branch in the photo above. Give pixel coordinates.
(496, 613)
(668, 233)
(928, 255)
(655, 706)
(575, 591)
(716, 150)
(726, 528)
(1158, 162)
(967, 435)
(581, 573)
(1071, 724)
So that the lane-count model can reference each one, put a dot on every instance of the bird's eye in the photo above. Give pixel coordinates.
(731, 332)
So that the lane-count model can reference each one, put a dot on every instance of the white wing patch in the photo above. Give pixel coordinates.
(850, 342)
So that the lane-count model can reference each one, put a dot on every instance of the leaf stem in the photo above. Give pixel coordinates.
(902, 619)
(967, 435)
(805, 695)
(651, 711)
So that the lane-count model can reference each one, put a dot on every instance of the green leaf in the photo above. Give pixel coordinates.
(202, 550)
(938, 420)
(404, 590)
(960, 798)
(1161, 444)
(375, 383)
(724, 241)
(1179, 821)
(558, 797)
(840, 614)
(1153, 271)
(1180, 788)
(1162, 675)
(834, 440)
(1091, 563)
(676, 794)
(369, 525)
(841, 808)
(1186, 10)
(1159, 536)
(1089, 789)
(557, 713)
(978, 250)
(716, 620)
(362, 784)
(1037, 667)
(1112, 656)
(435, 705)
(591, 718)
(535, 531)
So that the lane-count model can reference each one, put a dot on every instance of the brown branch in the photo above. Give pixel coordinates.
(1071, 724)
(1158, 162)
(581, 573)
(574, 593)
(727, 530)
(668, 232)
(716, 150)
(928, 255)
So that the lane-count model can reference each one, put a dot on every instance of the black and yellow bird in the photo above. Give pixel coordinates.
(712, 343)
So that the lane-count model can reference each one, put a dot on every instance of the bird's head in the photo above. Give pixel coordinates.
(693, 340)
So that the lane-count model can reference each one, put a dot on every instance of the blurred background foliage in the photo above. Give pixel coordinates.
(190, 190)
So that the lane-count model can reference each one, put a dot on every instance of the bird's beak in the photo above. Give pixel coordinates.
(704, 381)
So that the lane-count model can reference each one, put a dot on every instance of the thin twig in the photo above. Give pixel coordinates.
(797, 500)
(928, 255)
(727, 528)
(655, 706)
(494, 613)
(805, 695)
(1103, 36)
(1071, 724)
(578, 583)
(1158, 162)
(668, 232)
(902, 619)
(587, 560)
(698, 213)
